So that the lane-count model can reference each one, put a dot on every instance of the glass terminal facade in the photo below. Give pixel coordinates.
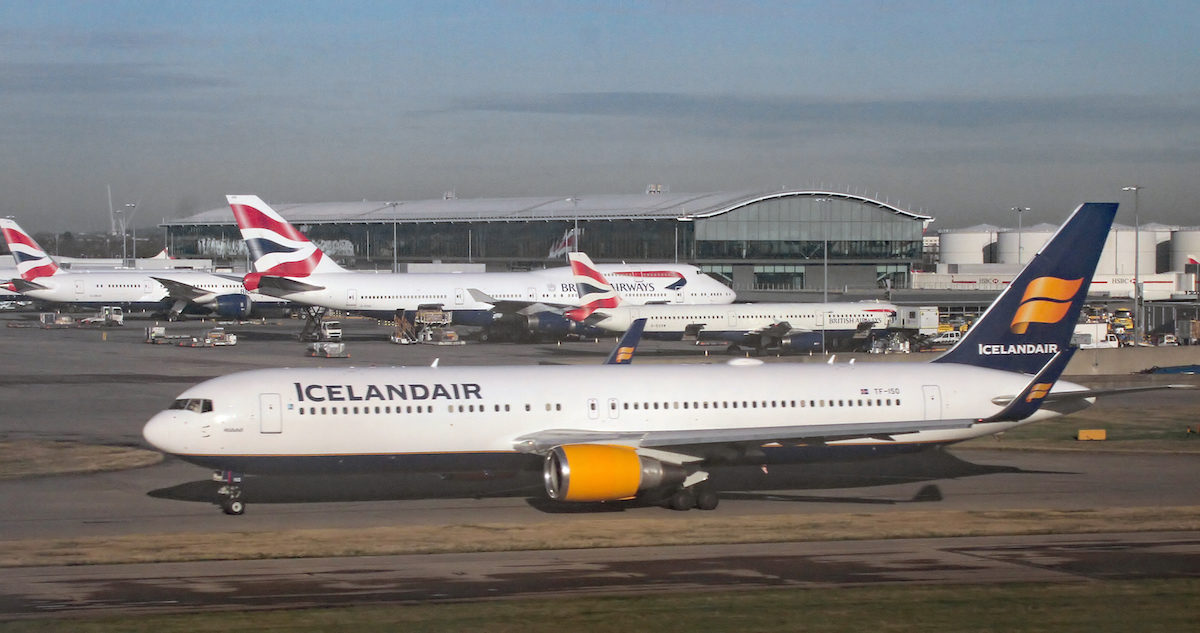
(778, 241)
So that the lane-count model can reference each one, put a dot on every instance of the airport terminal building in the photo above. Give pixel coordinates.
(758, 240)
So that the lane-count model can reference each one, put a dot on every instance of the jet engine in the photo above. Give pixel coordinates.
(235, 306)
(803, 342)
(556, 325)
(600, 472)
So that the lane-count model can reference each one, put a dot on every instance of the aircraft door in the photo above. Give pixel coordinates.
(933, 402)
(614, 409)
(351, 297)
(459, 296)
(270, 413)
(79, 288)
(531, 293)
(593, 409)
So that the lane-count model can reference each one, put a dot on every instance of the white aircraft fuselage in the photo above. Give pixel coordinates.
(385, 293)
(725, 322)
(136, 288)
(471, 418)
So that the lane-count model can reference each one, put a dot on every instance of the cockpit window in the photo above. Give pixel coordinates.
(198, 405)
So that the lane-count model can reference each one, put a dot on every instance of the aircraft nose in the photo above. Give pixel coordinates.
(162, 432)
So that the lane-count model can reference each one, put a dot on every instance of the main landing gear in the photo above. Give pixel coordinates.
(230, 492)
(699, 496)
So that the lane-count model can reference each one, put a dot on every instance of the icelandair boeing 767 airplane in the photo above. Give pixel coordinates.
(649, 432)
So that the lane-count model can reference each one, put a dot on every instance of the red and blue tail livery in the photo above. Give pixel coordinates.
(32, 260)
(276, 248)
(595, 292)
(1033, 319)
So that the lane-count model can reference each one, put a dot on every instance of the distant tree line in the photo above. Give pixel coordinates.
(96, 245)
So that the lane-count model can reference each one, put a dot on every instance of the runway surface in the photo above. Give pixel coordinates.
(101, 386)
(176, 497)
(297, 583)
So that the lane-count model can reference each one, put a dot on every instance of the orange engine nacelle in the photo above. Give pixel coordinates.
(600, 472)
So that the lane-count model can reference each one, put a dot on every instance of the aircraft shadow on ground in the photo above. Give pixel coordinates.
(739, 482)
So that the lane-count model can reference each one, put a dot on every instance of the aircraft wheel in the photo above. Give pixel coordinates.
(707, 499)
(233, 507)
(683, 500)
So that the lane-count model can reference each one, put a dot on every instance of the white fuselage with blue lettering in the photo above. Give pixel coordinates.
(301, 413)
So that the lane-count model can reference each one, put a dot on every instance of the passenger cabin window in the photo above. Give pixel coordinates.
(197, 405)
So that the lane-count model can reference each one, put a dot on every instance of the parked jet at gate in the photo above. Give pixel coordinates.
(173, 291)
(787, 326)
(289, 266)
(650, 432)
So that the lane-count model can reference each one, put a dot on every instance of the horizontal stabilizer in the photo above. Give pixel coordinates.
(22, 285)
(1027, 402)
(1080, 394)
(283, 284)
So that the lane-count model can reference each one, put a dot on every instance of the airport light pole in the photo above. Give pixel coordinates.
(1020, 211)
(825, 273)
(120, 214)
(1137, 259)
(132, 209)
(395, 263)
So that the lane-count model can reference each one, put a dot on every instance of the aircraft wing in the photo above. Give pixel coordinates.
(180, 290)
(516, 306)
(775, 330)
(693, 441)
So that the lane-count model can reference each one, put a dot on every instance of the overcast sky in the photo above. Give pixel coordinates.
(962, 110)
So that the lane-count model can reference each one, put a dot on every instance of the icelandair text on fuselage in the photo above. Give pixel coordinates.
(1025, 348)
(416, 391)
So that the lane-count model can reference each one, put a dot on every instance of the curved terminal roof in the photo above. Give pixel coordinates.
(655, 206)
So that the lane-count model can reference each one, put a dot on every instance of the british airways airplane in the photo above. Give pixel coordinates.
(649, 432)
(289, 266)
(785, 326)
(170, 291)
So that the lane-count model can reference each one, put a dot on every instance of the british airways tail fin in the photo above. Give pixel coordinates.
(276, 248)
(1033, 319)
(33, 262)
(594, 290)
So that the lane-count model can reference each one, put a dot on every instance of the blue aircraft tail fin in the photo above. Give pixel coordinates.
(1033, 319)
(623, 353)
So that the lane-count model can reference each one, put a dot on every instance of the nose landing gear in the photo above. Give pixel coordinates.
(229, 493)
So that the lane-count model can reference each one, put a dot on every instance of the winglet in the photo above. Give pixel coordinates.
(622, 354)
